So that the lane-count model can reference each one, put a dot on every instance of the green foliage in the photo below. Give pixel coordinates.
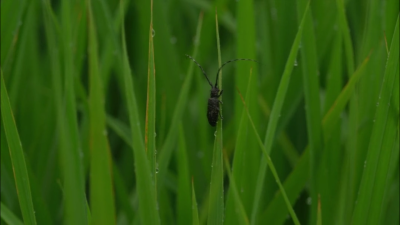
(103, 118)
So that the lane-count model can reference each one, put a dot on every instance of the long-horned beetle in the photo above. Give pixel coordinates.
(213, 109)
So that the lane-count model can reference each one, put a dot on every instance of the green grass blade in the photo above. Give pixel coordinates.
(17, 158)
(122, 196)
(195, 211)
(295, 182)
(244, 162)
(309, 66)
(276, 112)
(238, 203)
(329, 121)
(216, 199)
(9, 216)
(379, 149)
(234, 201)
(148, 212)
(344, 28)
(270, 164)
(150, 131)
(121, 129)
(168, 146)
(72, 167)
(12, 13)
(319, 212)
(101, 189)
(332, 156)
(351, 144)
(183, 206)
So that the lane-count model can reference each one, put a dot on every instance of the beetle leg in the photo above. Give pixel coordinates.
(221, 115)
(220, 102)
(220, 93)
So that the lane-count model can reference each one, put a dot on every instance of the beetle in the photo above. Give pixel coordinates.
(213, 110)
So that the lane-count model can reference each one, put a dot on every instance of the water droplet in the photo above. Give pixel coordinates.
(155, 134)
(295, 62)
(153, 33)
(377, 104)
(215, 133)
(373, 121)
(241, 190)
(365, 163)
(105, 132)
(309, 201)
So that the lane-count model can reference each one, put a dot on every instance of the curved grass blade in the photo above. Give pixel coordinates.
(351, 144)
(216, 199)
(309, 66)
(238, 203)
(101, 188)
(183, 203)
(17, 158)
(378, 150)
(150, 130)
(12, 13)
(167, 148)
(120, 129)
(9, 216)
(72, 167)
(275, 114)
(270, 163)
(319, 212)
(275, 212)
(244, 162)
(195, 211)
(148, 212)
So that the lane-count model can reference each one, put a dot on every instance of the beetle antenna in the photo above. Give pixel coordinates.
(201, 69)
(233, 60)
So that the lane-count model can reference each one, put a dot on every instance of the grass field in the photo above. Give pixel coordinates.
(103, 117)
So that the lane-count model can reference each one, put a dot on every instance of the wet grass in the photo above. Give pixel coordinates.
(103, 118)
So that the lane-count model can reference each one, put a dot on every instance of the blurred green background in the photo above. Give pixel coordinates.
(85, 112)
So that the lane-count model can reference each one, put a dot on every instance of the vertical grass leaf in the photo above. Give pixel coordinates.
(216, 197)
(378, 149)
(101, 189)
(276, 112)
(17, 158)
(195, 211)
(297, 179)
(145, 185)
(309, 66)
(150, 131)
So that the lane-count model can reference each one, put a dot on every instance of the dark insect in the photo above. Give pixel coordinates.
(213, 101)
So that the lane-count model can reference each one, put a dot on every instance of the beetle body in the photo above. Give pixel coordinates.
(213, 106)
(213, 110)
